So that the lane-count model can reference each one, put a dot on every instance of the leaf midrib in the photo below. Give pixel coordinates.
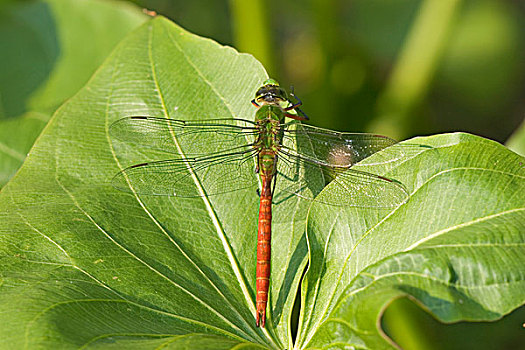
(212, 214)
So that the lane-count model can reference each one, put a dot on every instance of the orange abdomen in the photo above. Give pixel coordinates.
(264, 250)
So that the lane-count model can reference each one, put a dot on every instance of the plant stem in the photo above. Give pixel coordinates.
(251, 30)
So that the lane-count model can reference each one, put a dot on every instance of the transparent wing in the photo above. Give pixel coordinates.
(191, 177)
(306, 177)
(312, 157)
(196, 138)
(332, 148)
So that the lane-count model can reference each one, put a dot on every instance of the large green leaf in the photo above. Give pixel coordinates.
(49, 49)
(83, 264)
(154, 266)
(457, 245)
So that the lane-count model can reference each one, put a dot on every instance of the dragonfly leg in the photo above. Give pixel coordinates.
(257, 165)
(295, 106)
(301, 116)
(257, 172)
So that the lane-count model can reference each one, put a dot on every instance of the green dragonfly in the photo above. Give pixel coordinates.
(257, 154)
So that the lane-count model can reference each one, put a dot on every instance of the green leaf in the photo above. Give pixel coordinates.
(456, 246)
(86, 262)
(46, 60)
(83, 264)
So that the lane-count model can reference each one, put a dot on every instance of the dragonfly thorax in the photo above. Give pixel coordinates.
(269, 115)
(269, 119)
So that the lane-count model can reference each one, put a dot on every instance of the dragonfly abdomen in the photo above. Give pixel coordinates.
(264, 249)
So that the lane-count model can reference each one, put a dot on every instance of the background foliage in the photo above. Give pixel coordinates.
(48, 51)
(357, 65)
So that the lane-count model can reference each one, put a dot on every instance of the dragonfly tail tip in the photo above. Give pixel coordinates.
(260, 319)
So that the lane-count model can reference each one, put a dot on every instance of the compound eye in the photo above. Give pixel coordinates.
(262, 91)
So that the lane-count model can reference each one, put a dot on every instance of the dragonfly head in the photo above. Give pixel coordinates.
(271, 93)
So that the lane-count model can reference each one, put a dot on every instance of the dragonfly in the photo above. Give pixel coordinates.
(216, 156)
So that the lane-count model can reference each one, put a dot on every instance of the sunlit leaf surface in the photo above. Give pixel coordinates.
(457, 245)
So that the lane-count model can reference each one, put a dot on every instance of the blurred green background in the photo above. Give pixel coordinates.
(397, 67)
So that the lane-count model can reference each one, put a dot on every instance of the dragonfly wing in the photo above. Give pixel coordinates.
(348, 187)
(171, 135)
(361, 189)
(190, 177)
(332, 148)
